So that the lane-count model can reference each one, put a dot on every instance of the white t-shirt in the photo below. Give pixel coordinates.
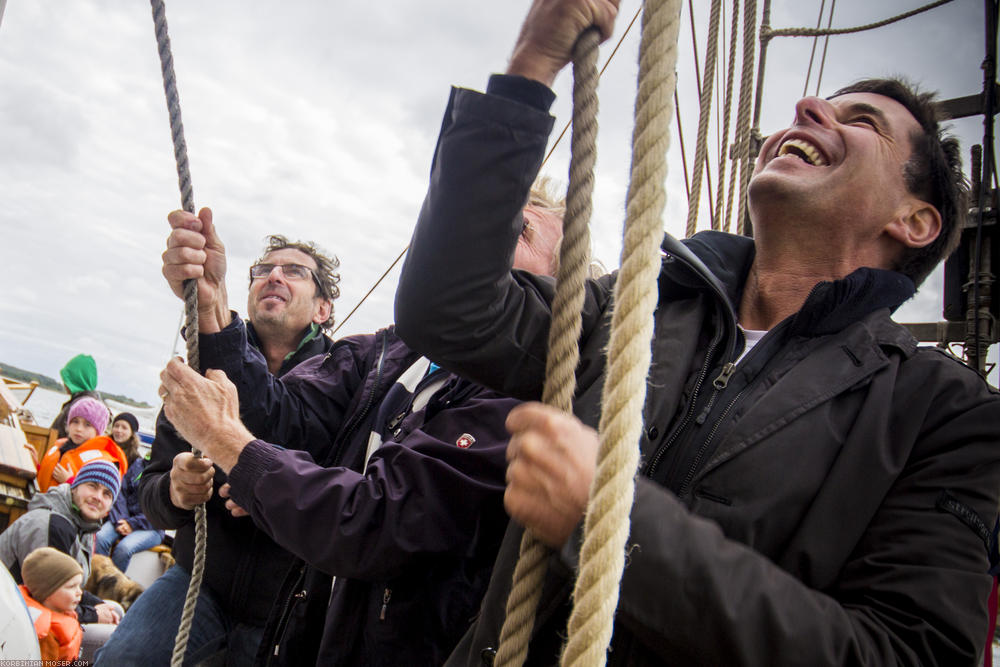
(752, 337)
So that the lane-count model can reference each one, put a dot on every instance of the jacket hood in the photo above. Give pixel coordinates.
(59, 499)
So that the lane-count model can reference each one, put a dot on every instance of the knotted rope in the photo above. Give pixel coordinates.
(705, 112)
(606, 527)
(564, 333)
(190, 308)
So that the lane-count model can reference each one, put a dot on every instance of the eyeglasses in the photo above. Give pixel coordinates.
(290, 271)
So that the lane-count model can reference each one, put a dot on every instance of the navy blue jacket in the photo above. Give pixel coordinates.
(127, 504)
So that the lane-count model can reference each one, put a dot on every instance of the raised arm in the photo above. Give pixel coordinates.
(457, 300)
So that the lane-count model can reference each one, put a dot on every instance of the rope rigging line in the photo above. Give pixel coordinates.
(812, 52)
(768, 33)
(742, 159)
(564, 332)
(723, 210)
(701, 142)
(606, 522)
(826, 45)
(190, 308)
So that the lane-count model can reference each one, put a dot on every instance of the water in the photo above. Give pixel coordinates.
(44, 405)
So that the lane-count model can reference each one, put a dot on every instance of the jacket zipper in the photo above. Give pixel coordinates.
(282, 625)
(720, 383)
(651, 468)
(386, 596)
(349, 431)
(704, 445)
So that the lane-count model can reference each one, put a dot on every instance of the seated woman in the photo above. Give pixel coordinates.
(125, 433)
(127, 531)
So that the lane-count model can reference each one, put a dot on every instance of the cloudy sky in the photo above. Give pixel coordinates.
(316, 120)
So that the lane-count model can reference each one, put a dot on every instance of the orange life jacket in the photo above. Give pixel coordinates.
(65, 628)
(100, 447)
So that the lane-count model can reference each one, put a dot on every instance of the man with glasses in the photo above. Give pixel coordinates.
(290, 306)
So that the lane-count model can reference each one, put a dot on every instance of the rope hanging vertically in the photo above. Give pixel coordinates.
(190, 306)
(606, 526)
(742, 159)
(722, 208)
(564, 333)
(701, 142)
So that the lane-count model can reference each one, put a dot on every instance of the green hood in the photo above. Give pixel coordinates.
(80, 374)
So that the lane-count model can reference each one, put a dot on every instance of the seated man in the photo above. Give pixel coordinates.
(822, 498)
(66, 518)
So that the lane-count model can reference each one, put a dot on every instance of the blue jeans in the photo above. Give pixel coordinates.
(134, 542)
(146, 634)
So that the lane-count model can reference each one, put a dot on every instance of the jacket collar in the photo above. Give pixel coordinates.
(830, 306)
(313, 342)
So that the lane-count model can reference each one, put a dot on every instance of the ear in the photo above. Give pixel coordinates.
(322, 313)
(916, 226)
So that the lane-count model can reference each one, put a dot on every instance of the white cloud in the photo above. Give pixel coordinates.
(312, 119)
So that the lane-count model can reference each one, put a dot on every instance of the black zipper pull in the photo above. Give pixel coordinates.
(386, 595)
(723, 379)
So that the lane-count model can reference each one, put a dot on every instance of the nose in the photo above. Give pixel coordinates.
(276, 273)
(814, 110)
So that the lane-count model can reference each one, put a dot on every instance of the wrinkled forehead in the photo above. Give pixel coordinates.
(289, 256)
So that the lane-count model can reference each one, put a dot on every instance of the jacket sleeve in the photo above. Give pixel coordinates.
(303, 409)
(154, 485)
(421, 495)
(306, 419)
(86, 611)
(488, 153)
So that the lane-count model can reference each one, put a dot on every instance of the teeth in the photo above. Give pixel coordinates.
(804, 150)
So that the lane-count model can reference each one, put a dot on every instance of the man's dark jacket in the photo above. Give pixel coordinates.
(243, 566)
(826, 501)
(400, 497)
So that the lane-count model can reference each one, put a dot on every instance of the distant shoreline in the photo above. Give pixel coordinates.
(45, 382)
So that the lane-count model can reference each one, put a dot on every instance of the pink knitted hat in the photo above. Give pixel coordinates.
(90, 409)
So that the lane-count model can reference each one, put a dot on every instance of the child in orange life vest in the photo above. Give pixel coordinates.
(86, 421)
(52, 588)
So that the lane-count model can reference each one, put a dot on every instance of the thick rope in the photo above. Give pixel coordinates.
(564, 332)
(701, 142)
(743, 113)
(769, 33)
(606, 526)
(190, 308)
(723, 211)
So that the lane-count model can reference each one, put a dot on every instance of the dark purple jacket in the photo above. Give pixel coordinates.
(412, 539)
